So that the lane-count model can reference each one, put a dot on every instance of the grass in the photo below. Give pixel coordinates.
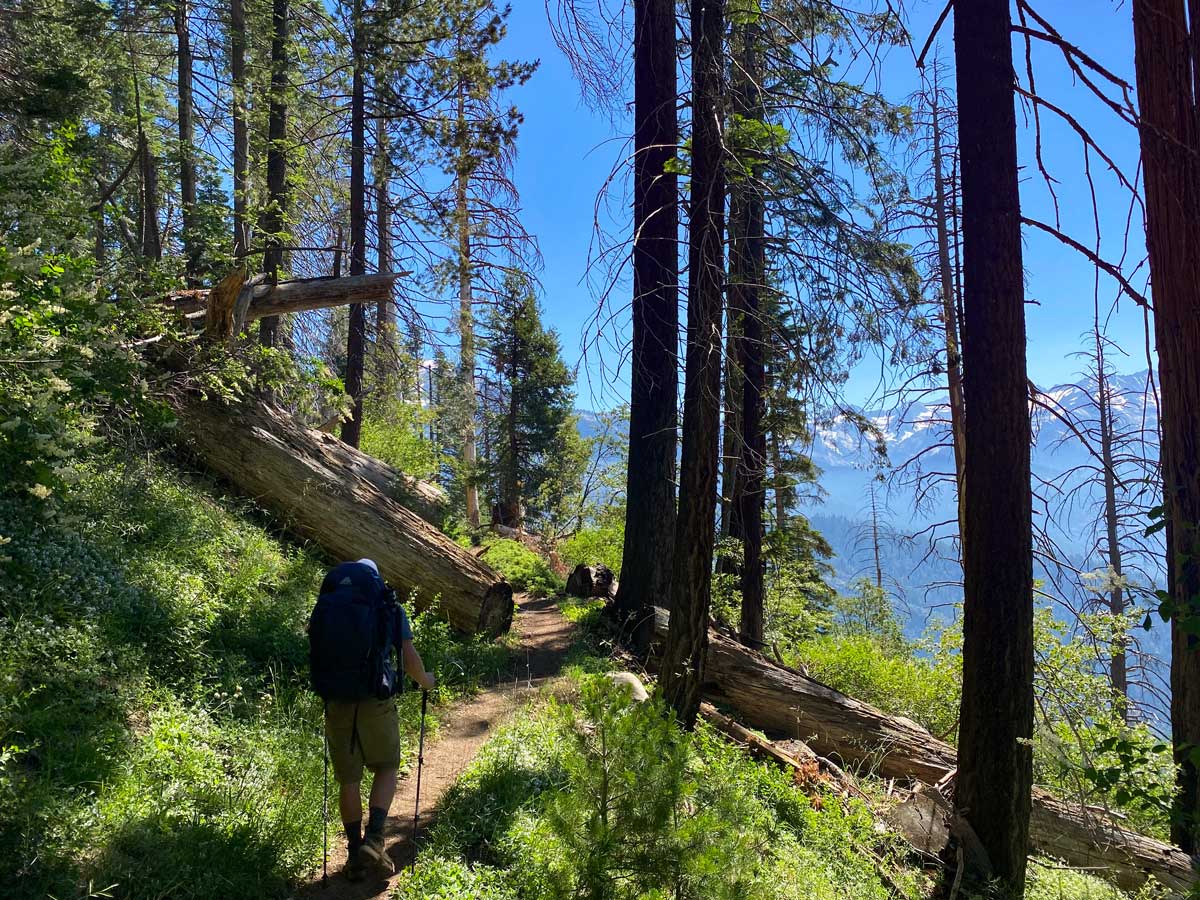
(157, 736)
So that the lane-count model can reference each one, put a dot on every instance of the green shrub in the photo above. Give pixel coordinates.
(524, 569)
(392, 432)
(614, 801)
(443, 879)
(923, 687)
(602, 543)
(64, 360)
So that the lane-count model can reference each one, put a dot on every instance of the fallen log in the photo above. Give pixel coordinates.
(427, 500)
(335, 496)
(235, 301)
(782, 701)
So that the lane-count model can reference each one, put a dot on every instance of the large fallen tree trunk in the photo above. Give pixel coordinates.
(339, 498)
(785, 702)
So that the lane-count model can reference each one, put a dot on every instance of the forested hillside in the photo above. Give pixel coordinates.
(794, 493)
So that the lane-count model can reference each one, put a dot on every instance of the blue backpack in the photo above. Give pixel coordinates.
(350, 636)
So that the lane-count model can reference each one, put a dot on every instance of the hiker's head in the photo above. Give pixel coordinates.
(370, 563)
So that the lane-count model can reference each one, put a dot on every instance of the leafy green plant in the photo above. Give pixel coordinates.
(64, 359)
(524, 569)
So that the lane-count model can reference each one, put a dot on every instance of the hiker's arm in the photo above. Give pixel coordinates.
(411, 660)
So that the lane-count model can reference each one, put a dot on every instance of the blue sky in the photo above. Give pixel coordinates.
(567, 152)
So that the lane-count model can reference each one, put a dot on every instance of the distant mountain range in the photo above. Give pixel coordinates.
(917, 435)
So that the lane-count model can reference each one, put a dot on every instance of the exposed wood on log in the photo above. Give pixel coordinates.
(335, 496)
(783, 701)
(809, 771)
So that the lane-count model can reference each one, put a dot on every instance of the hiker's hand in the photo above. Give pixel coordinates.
(428, 682)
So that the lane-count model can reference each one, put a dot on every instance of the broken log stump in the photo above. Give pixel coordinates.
(592, 581)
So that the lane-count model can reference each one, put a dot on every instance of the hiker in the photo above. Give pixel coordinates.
(354, 628)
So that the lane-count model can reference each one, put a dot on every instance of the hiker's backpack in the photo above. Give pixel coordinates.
(350, 635)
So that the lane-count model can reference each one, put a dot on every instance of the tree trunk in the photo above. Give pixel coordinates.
(950, 321)
(996, 719)
(187, 142)
(731, 420)
(747, 282)
(241, 131)
(274, 217)
(654, 372)
(787, 704)
(264, 299)
(466, 323)
(149, 238)
(682, 670)
(356, 337)
(330, 493)
(779, 482)
(385, 328)
(1165, 57)
(1118, 670)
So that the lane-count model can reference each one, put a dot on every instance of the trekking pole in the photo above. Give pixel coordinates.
(325, 818)
(420, 762)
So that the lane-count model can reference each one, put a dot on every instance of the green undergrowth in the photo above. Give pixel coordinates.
(923, 687)
(157, 737)
(587, 795)
(601, 797)
(524, 569)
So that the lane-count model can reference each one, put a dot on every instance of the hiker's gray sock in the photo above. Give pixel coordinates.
(375, 823)
(353, 834)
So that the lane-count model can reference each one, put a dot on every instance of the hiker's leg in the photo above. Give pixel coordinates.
(350, 803)
(383, 789)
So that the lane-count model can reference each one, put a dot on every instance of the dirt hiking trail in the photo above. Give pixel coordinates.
(544, 639)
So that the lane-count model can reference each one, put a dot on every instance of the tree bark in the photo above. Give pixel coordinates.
(466, 319)
(149, 237)
(274, 216)
(241, 131)
(385, 328)
(330, 493)
(187, 142)
(787, 704)
(356, 337)
(996, 719)
(654, 373)
(1165, 57)
(682, 670)
(747, 282)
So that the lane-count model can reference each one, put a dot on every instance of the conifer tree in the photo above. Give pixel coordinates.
(682, 668)
(1165, 34)
(995, 760)
(529, 406)
(653, 427)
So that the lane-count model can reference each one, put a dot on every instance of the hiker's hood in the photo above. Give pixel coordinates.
(371, 563)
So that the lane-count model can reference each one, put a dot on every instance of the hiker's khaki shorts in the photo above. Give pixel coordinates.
(362, 735)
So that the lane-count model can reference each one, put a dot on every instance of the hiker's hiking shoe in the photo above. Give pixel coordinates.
(373, 849)
(355, 869)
